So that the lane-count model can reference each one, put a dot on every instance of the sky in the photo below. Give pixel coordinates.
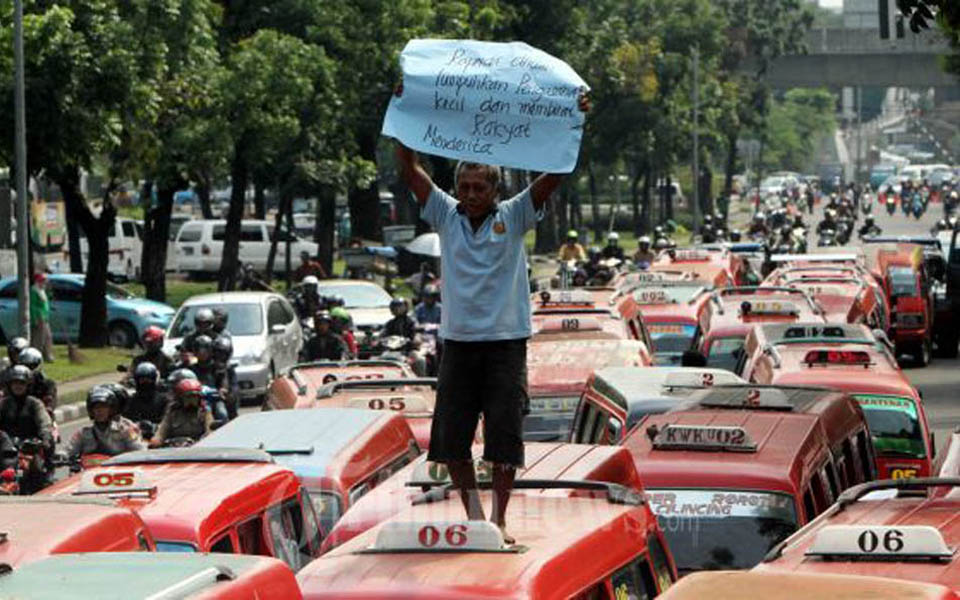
(837, 4)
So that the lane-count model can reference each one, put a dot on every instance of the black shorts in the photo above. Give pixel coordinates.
(480, 378)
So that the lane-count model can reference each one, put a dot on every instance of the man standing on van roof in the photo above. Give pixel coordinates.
(485, 322)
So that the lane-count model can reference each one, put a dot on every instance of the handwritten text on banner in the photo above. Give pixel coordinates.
(506, 104)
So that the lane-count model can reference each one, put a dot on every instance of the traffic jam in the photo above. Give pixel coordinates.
(683, 425)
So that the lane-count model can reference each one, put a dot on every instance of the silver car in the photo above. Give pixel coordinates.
(266, 334)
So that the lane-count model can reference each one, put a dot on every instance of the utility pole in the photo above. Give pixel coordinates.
(696, 138)
(856, 174)
(20, 141)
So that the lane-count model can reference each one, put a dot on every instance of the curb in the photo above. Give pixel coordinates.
(70, 412)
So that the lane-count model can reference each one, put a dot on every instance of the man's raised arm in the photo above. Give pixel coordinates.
(413, 174)
(543, 187)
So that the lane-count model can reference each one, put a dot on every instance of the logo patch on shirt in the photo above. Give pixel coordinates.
(499, 227)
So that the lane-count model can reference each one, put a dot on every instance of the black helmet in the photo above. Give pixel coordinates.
(203, 319)
(431, 290)
(30, 358)
(222, 348)
(15, 347)
(869, 220)
(101, 394)
(202, 343)
(146, 370)
(179, 375)
(220, 318)
(324, 317)
(593, 252)
(707, 219)
(735, 235)
(398, 306)
(18, 373)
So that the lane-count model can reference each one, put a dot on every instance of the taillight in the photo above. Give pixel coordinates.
(205, 249)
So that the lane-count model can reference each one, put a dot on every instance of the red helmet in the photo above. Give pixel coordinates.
(152, 335)
(186, 387)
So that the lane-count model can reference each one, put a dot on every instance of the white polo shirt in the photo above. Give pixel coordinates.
(486, 293)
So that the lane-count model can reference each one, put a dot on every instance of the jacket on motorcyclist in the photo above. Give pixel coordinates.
(828, 223)
(230, 385)
(592, 266)
(23, 416)
(758, 225)
(9, 453)
(572, 249)
(325, 344)
(401, 324)
(613, 249)
(110, 434)
(149, 403)
(186, 415)
(152, 340)
(308, 266)
(202, 325)
(308, 302)
(869, 228)
(41, 386)
(206, 368)
(220, 318)
(340, 324)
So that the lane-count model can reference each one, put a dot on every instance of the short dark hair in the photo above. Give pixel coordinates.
(492, 171)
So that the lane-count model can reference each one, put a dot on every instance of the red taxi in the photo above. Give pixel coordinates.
(847, 294)
(564, 311)
(670, 310)
(224, 500)
(728, 485)
(414, 398)
(298, 386)
(891, 528)
(544, 461)
(617, 398)
(849, 358)
(339, 454)
(125, 575)
(35, 527)
(717, 268)
(902, 272)
(732, 313)
(737, 585)
(605, 545)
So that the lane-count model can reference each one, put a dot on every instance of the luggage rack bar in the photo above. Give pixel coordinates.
(616, 493)
(333, 387)
(195, 583)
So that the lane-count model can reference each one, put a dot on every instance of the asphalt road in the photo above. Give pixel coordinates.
(939, 382)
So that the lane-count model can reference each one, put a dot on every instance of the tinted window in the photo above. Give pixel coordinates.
(250, 535)
(671, 338)
(661, 566)
(276, 314)
(634, 582)
(129, 230)
(139, 230)
(358, 296)
(9, 290)
(219, 233)
(65, 292)
(242, 319)
(288, 313)
(894, 426)
(903, 282)
(175, 547)
(224, 545)
(725, 353)
(549, 418)
(190, 233)
(710, 529)
(251, 233)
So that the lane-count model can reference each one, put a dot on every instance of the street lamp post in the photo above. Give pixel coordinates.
(696, 138)
(20, 142)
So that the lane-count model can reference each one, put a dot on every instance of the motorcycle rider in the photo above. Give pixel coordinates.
(205, 369)
(308, 302)
(325, 344)
(250, 280)
(340, 323)
(428, 311)
(149, 403)
(41, 386)
(186, 415)
(643, 255)
(706, 229)
(828, 223)
(613, 249)
(220, 318)
(869, 228)
(152, 340)
(14, 347)
(202, 325)
(229, 384)
(401, 324)
(308, 266)
(110, 433)
(758, 226)
(571, 249)
(23, 416)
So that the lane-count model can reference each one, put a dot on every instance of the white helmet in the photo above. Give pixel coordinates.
(613, 236)
(310, 280)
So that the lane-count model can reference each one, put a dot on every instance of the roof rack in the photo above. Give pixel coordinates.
(195, 583)
(776, 289)
(333, 387)
(56, 500)
(161, 456)
(616, 493)
(335, 364)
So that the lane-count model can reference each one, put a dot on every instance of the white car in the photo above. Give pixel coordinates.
(265, 330)
(126, 247)
(200, 245)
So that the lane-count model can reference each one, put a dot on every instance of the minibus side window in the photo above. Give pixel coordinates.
(589, 424)
(224, 545)
(250, 535)
(863, 449)
(831, 477)
(312, 534)
(808, 507)
(286, 533)
(848, 470)
(634, 582)
(819, 494)
(596, 592)
(661, 565)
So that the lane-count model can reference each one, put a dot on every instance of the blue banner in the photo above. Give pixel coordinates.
(505, 104)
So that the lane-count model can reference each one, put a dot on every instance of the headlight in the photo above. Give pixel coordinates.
(910, 319)
(251, 359)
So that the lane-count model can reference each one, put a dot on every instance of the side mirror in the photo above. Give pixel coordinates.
(122, 368)
(277, 329)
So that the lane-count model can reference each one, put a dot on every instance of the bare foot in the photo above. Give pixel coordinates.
(507, 538)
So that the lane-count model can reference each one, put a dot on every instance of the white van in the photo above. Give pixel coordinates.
(126, 248)
(200, 246)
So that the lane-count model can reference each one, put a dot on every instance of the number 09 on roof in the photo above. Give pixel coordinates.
(702, 437)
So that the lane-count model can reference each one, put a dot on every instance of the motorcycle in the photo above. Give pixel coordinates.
(918, 208)
(891, 205)
(828, 238)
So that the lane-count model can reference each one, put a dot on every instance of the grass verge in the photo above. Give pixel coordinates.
(93, 362)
